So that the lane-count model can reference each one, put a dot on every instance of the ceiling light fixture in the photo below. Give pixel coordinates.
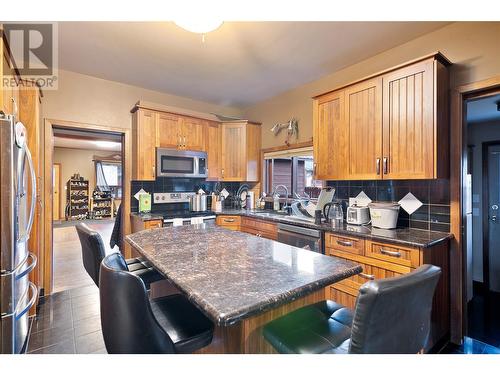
(106, 144)
(199, 25)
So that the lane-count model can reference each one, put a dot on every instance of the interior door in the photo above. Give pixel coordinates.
(56, 184)
(493, 268)
(364, 123)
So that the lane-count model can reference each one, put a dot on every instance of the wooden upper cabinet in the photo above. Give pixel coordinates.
(392, 126)
(330, 136)
(193, 133)
(409, 124)
(169, 130)
(240, 151)
(144, 143)
(213, 145)
(364, 128)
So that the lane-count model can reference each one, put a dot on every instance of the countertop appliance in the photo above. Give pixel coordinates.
(181, 163)
(305, 238)
(384, 214)
(358, 215)
(17, 293)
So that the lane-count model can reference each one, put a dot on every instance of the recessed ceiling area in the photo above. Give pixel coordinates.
(86, 140)
(484, 109)
(239, 64)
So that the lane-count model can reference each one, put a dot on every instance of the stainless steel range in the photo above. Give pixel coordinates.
(180, 216)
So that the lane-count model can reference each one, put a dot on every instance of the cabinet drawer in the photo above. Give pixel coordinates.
(266, 227)
(369, 273)
(343, 295)
(406, 256)
(351, 245)
(260, 233)
(153, 224)
(233, 222)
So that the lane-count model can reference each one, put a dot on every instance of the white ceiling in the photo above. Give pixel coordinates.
(239, 64)
(484, 109)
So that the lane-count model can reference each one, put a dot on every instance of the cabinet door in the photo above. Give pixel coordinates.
(214, 151)
(330, 137)
(252, 155)
(193, 134)
(146, 145)
(169, 130)
(408, 124)
(364, 123)
(233, 152)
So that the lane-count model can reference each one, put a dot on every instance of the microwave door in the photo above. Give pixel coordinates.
(181, 166)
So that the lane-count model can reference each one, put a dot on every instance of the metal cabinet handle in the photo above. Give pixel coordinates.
(228, 220)
(377, 163)
(314, 169)
(366, 276)
(396, 254)
(386, 161)
(345, 243)
(185, 141)
(222, 170)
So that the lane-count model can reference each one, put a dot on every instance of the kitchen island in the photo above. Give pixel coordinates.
(238, 280)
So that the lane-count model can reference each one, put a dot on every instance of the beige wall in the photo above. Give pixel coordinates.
(75, 161)
(473, 47)
(82, 98)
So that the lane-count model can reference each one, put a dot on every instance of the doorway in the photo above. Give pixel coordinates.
(88, 186)
(481, 196)
(88, 155)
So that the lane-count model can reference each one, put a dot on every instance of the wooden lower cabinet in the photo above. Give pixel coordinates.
(260, 228)
(381, 260)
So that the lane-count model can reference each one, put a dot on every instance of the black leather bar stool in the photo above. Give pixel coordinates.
(93, 252)
(392, 316)
(131, 323)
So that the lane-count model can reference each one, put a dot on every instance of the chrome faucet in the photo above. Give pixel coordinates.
(285, 206)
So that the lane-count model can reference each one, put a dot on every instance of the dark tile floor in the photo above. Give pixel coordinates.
(484, 317)
(68, 322)
(470, 346)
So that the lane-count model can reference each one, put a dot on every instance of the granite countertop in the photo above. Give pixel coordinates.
(402, 236)
(231, 275)
(147, 216)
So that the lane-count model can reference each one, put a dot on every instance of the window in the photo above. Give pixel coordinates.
(112, 173)
(293, 168)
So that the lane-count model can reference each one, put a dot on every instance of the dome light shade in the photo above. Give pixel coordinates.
(199, 25)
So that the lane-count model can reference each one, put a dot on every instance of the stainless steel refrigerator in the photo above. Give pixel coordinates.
(17, 185)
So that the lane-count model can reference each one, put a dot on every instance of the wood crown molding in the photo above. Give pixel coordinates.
(437, 55)
(288, 147)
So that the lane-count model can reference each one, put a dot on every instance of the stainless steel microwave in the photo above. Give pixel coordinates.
(181, 163)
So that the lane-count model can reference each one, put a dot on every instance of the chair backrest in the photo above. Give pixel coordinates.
(393, 315)
(128, 323)
(93, 250)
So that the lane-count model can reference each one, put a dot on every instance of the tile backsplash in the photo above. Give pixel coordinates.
(169, 184)
(434, 214)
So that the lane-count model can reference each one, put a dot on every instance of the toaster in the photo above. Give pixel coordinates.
(358, 215)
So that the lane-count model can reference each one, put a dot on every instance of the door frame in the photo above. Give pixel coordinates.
(458, 171)
(48, 151)
(486, 222)
(60, 188)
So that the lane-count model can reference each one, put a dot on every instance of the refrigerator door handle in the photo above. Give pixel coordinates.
(34, 260)
(34, 290)
(33, 192)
